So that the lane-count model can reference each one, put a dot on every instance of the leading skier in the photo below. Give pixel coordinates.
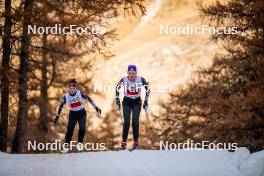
(131, 103)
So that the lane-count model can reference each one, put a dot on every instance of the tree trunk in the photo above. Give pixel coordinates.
(4, 78)
(22, 89)
(43, 106)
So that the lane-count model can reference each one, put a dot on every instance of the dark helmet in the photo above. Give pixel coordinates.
(72, 83)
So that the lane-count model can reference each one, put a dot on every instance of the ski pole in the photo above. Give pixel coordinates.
(99, 116)
(121, 116)
(148, 119)
(118, 107)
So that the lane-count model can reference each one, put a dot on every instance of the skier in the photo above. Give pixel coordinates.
(131, 103)
(77, 114)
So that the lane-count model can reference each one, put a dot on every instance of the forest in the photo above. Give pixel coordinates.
(222, 101)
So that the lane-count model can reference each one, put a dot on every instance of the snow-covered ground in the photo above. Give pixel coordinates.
(145, 163)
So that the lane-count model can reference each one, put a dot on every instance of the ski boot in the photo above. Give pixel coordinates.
(80, 147)
(123, 146)
(135, 146)
(66, 149)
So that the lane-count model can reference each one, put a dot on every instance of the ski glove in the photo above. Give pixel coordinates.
(98, 110)
(145, 105)
(118, 106)
(56, 119)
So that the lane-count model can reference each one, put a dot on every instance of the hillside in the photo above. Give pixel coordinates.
(166, 61)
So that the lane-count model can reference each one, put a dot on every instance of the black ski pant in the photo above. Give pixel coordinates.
(74, 117)
(134, 106)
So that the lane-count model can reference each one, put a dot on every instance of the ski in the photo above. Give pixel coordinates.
(131, 150)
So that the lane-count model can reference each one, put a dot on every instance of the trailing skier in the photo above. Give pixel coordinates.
(74, 98)
(131, 103)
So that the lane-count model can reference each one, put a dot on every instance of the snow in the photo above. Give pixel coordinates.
(136, 163)
(253, 165)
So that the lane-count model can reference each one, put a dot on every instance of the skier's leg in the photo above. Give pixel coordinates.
(82, 126)
(126, 115)
(135, 120)
(71, 125)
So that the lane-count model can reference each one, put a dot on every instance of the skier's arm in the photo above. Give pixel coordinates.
(89, 99)
(118, 86)
(146, 86)
(61, 106)
(60, 109)
(98, 110)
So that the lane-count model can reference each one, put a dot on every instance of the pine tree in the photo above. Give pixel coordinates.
(5, 76)
(225, 102)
